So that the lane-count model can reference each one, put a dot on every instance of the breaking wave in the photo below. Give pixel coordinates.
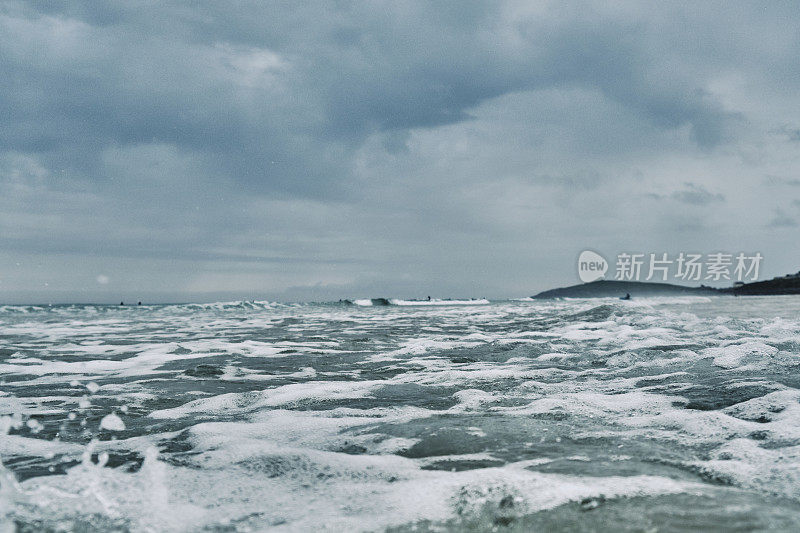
(408, 303)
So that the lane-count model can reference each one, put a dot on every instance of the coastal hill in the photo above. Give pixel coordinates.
(789, 284)
(613, 288)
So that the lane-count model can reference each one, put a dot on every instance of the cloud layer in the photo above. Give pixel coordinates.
(185, 151)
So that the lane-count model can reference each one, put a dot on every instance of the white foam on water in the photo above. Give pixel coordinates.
(630, 404)
(349, 395)
(232, 403)
(17, 445)
(422, 345)
(472, 400)
(743, 462)
(436, 302)
(732, 355)
(353, 495)
(112, 422)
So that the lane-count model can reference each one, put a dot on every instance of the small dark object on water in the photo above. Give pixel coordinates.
(122, 303)
(591, 503)
(140, 303)
(626, 297)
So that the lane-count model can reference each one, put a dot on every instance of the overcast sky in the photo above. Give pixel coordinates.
(173, 151)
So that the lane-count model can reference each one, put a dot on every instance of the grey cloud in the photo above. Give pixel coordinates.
(129, 77)
(379, 144)
(777, 180)
(695, 194)
(692, 194)
(782, 220)
(790, 133)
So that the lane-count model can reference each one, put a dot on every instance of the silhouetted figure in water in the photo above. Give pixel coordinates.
(122, 303)
(140, 303)
(429, 298)
(626, 297)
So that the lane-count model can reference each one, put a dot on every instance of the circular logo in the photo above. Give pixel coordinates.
(591, 266)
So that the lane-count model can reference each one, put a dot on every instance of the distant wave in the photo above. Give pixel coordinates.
(22, 308)
(222, 306)
(646, 300)
(368, 302)
(396, 301)
(68, 308)
(235, 305)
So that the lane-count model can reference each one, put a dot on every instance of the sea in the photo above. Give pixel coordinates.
(662, 414)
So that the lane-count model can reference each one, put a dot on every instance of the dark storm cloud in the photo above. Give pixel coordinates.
(277, 98)
(359, 133)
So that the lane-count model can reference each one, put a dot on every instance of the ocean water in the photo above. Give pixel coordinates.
(673, 414)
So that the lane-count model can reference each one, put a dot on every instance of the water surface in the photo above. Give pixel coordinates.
(671, 414)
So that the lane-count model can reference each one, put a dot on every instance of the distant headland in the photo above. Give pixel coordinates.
(789, 284)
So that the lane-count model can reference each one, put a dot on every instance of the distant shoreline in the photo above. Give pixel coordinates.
(614, 288)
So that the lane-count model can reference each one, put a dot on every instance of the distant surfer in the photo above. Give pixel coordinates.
(122, 303)
(626, 297)
(429, 298)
